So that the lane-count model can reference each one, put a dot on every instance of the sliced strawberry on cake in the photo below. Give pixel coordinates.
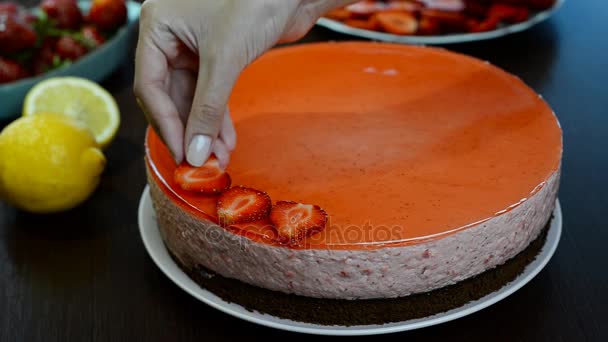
(296, 221)
(208, 179)
(243, 205)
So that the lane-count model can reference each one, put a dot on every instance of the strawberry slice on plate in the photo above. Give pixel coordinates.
(428, 27)
(339, 14)
(208, 179)
(365, 8)
(402, 23)
(296, 221)
(242, 205)
(365, 24)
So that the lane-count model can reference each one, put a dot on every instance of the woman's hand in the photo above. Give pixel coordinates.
(190, 54)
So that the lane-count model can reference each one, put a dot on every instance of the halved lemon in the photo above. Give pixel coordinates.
(78, 98)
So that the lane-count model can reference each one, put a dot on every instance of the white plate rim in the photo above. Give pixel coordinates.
(154, 246)
(539, 17)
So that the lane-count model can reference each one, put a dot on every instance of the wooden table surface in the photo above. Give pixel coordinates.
(84, 275)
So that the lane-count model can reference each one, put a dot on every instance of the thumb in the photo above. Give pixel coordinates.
(213, 88)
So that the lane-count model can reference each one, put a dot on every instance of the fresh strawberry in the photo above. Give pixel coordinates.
(208, 179)
(45, 56)
(295, 221)
(108, 14)
(242, 205)
(15, 34)
(11, 71)
(92, 37)
(9, 7)
(402, 23)
(16, 10)
(66, 13)
(69, 48)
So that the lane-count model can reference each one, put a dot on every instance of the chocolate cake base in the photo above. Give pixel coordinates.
(367, 311)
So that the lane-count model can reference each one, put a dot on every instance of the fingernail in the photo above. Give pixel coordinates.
(199, 150)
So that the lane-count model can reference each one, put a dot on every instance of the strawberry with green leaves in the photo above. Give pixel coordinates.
(68, 48)
(65, 13)
(91, 37)
(16, 31)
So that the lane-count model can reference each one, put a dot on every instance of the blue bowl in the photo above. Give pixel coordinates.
(96, 65)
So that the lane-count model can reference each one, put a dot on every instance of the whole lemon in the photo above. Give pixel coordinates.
(48, 163)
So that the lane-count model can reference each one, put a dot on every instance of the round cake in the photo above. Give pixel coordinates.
(432, 167)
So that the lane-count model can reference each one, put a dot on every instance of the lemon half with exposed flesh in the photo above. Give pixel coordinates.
(80, 99)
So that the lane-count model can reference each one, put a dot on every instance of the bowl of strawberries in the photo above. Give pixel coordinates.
(87, 39)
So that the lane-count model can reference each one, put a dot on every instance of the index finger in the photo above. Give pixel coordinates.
(150, 87)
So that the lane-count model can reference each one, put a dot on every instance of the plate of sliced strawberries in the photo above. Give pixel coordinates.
(436, 22)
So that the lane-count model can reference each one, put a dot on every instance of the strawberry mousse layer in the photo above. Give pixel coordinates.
(432, 167)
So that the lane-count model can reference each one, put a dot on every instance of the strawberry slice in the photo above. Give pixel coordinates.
(404, 5)
(445, 5)
(449, 21)
(489, 24)
(366, 8)
(243, 205)
(339, 14)
(428, 27)
(208, 179)
(402, 23)
(296, 221)
(365, 24)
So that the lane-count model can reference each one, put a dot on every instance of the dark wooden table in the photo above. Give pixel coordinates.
(84, 275)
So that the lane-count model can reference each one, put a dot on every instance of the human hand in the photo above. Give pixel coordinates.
(190, 54)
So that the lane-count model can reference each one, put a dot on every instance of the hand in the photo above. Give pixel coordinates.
(190, 54)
